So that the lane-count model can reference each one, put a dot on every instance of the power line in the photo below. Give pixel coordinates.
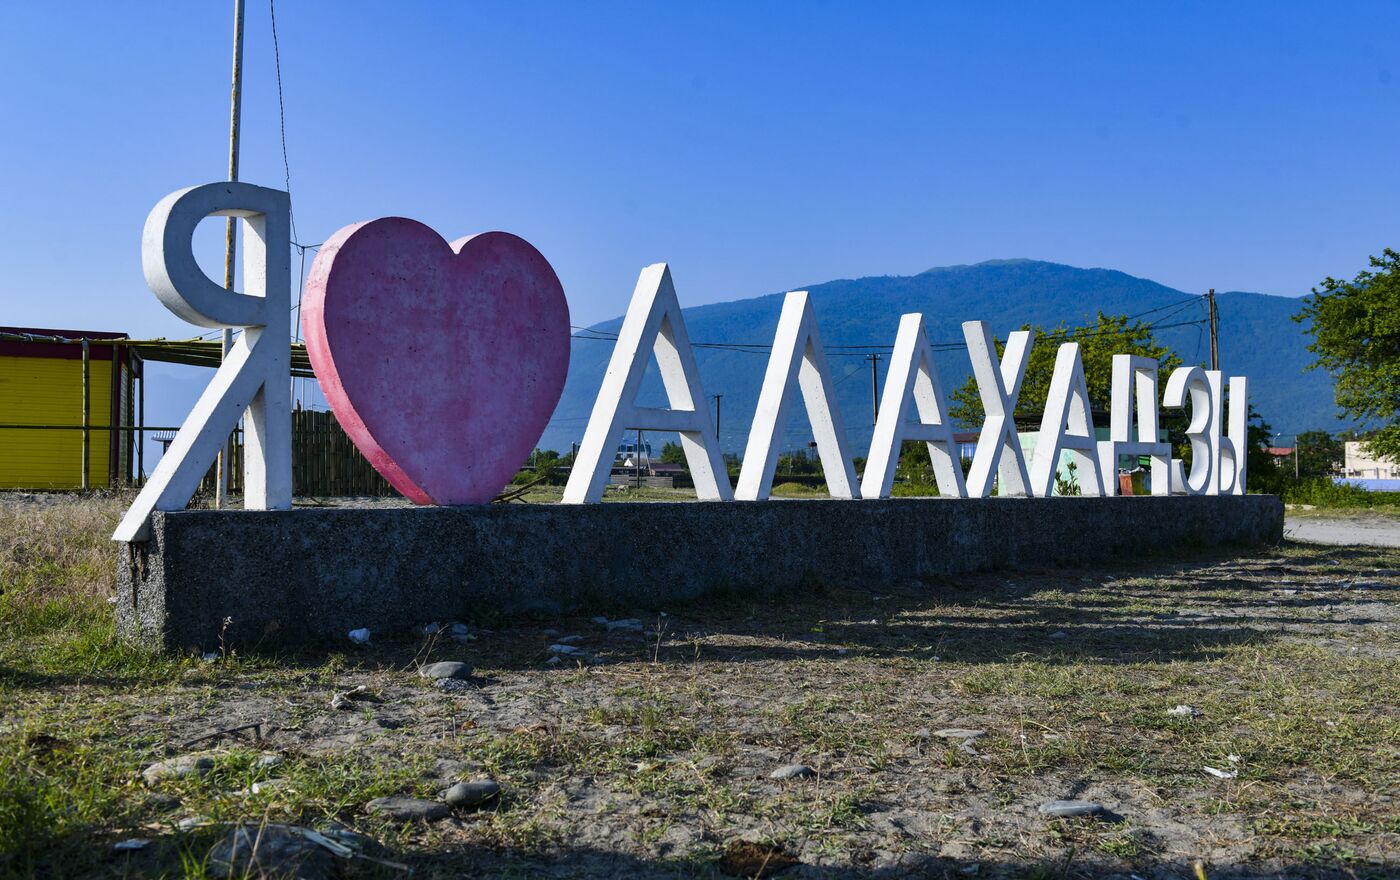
(282, 117)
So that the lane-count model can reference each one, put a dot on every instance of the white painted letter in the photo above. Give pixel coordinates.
(1067, 425)
(999, 388)
(255, 377)
(912, 369)
(797, 354)
(1193, 380)
(1238, 435)
(653, 323)
(1134, 378)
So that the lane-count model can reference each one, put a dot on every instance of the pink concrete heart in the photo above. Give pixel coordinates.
(443, 363)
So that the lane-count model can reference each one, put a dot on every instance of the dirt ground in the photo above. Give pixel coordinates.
(1343, 529)
(649, 753)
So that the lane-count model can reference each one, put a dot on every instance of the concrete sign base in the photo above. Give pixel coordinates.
(288, 578)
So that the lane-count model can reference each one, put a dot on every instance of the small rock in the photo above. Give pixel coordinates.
(561, 648)
(552, 661)
(472, 794)
(1059, 634)
(407, 809)
(267, 786)
(923, 733)
(162, 803)
(569, 640)
(1222, 774)
(1188, 711)
(630, 624)
(455, 685)
(359, 636)
(267, 762)
(461, 633)
(131, 844)
(600, 620)
(178, 768)
(962, 733)
(446, 669)
(210, 656)
(430, 629)
(348, 699)
(792, 771)
(190, 823)
(269, 851)
(1071, 809)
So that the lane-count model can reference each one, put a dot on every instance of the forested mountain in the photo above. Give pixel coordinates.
(1257, 339)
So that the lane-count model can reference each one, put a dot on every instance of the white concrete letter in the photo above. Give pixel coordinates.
(1067, 425)
(912, 370)
(999, 387)
(1238, 437)
(653, 323)
(1134, 379)
(797, 354)
(1195, 382)
(254, 378)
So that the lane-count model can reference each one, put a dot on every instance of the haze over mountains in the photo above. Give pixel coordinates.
(1257, 338)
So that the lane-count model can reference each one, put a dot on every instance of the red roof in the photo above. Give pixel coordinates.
(41, 347)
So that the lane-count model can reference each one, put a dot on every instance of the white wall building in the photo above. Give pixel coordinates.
(1360, 463)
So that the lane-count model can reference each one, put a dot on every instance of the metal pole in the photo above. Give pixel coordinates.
(1214, 330)
(230, 225)
(1295, 457)
(874, 386)
(717, 399)
(637, 458)
(87, 413)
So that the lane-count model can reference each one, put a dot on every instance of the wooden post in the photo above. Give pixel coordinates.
(114, 418)
(141, 428)
(231, 227)
(1214, 330)
(87, 411)
(874, 387)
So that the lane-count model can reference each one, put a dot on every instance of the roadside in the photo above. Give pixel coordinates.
(1342, 528)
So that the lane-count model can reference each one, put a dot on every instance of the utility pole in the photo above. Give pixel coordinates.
(874, 386)
(1295, 456)
(717, 399)
(1214, 330)
(637, 458)
(231, 225)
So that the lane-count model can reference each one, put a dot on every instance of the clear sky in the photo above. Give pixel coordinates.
(756, 147)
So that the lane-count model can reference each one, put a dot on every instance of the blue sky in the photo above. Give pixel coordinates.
(756, 147)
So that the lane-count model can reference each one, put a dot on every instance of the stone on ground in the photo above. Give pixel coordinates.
(178, 768)
(792, 771)
(408, 809)
(472, 794)
(446, 669)
(1071, 809)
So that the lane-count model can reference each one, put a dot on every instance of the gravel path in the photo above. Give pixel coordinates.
(1371, 531)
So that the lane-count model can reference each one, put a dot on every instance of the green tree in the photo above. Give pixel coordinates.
(1098, 343)
(1355, 326)
(1319, 453)
(672, 453)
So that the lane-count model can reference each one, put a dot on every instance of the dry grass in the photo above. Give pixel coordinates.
(652, 759)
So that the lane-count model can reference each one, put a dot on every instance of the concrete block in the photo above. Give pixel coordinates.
(288, 578)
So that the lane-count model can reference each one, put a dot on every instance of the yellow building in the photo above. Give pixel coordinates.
(48, 412)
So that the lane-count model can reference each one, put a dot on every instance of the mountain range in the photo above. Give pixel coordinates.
(1258, 338)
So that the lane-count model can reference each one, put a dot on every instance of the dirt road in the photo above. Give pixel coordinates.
(1370, 531)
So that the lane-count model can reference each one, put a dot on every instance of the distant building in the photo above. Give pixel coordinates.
(43, 411)
(1360, 463)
